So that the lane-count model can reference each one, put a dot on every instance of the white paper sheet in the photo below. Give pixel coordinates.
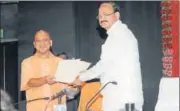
(68, 70)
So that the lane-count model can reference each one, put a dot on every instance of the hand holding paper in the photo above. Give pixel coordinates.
(68, 70)
(77, 82)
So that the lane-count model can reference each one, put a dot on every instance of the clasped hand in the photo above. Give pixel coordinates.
(50, 79)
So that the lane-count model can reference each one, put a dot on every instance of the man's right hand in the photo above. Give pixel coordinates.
(36, 82)
(50, 79)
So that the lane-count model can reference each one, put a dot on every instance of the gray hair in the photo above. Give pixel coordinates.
(6, 104)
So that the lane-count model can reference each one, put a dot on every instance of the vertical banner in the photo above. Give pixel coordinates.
(175, 35)
(170, 37)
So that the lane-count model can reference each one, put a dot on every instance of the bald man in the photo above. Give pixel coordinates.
(37, 74)
(123, 69)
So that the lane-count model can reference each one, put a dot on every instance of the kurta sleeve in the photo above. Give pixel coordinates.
(26, 75)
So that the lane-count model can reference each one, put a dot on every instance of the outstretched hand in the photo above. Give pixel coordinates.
(77, 82)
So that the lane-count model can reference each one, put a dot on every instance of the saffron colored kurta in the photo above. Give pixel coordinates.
(36, 67)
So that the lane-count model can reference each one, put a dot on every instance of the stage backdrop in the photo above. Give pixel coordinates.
(170, 38)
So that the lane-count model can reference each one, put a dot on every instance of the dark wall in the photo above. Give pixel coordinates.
(55, 17)
(9, 68)
(9, 49)
(88, 39)
(9, 19)
(72, 26)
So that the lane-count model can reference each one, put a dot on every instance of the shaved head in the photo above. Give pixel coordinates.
(41, 34)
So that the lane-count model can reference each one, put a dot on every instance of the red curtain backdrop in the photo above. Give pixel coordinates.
(175, 35)
(170, 37)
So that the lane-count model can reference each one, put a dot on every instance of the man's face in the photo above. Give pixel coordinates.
(107, 16)
(42, 42)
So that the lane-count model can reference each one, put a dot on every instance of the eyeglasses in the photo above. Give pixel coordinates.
(104, 15)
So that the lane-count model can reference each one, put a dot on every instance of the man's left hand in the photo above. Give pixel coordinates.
(77, 82)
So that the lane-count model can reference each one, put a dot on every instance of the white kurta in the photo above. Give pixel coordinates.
(119, 62)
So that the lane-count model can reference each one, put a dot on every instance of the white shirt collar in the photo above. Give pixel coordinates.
(113, 26)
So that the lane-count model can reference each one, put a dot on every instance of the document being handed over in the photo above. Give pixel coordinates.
(68, 70)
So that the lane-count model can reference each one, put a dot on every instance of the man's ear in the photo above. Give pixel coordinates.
(34, 44)
(117, 14)
(51, 43)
